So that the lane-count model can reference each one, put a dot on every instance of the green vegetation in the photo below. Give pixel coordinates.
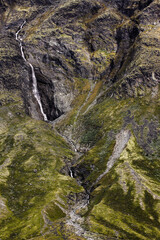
(32, 156)
(125, 202)
(106, 65)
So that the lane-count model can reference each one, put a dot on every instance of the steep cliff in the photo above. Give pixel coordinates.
(91, 70)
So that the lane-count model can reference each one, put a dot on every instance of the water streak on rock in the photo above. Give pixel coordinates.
(71, 173)
(36, 93)
(35, 88)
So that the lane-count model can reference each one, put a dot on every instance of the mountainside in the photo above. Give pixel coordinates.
(79, 119)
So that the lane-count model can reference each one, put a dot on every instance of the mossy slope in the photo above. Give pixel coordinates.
(32, 156)
(125, 203)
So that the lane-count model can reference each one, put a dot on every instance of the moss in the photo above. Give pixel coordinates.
(54, 212)
(117, 211)
(93, 95)
(92, 135)
(118, 204)
(30, 33)
(30, 180)
(151, 168)
(102, 60)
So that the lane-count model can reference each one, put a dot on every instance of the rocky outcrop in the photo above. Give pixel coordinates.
(91, 171)
(98, 46)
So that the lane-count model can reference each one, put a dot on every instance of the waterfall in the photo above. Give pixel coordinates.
(36, 93)
(18, 39)
(71, 173)
(35, 88)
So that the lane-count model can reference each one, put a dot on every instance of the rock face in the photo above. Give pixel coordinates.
(96, 159)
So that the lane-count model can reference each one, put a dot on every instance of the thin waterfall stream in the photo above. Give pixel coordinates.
(35, 88)
(71, 173)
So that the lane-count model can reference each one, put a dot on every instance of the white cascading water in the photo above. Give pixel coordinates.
(20, 41)
(36, 93)
(35, 89)
(71, 173)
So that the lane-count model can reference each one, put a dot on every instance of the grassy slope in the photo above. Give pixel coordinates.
(31, 157)
(125, 202)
